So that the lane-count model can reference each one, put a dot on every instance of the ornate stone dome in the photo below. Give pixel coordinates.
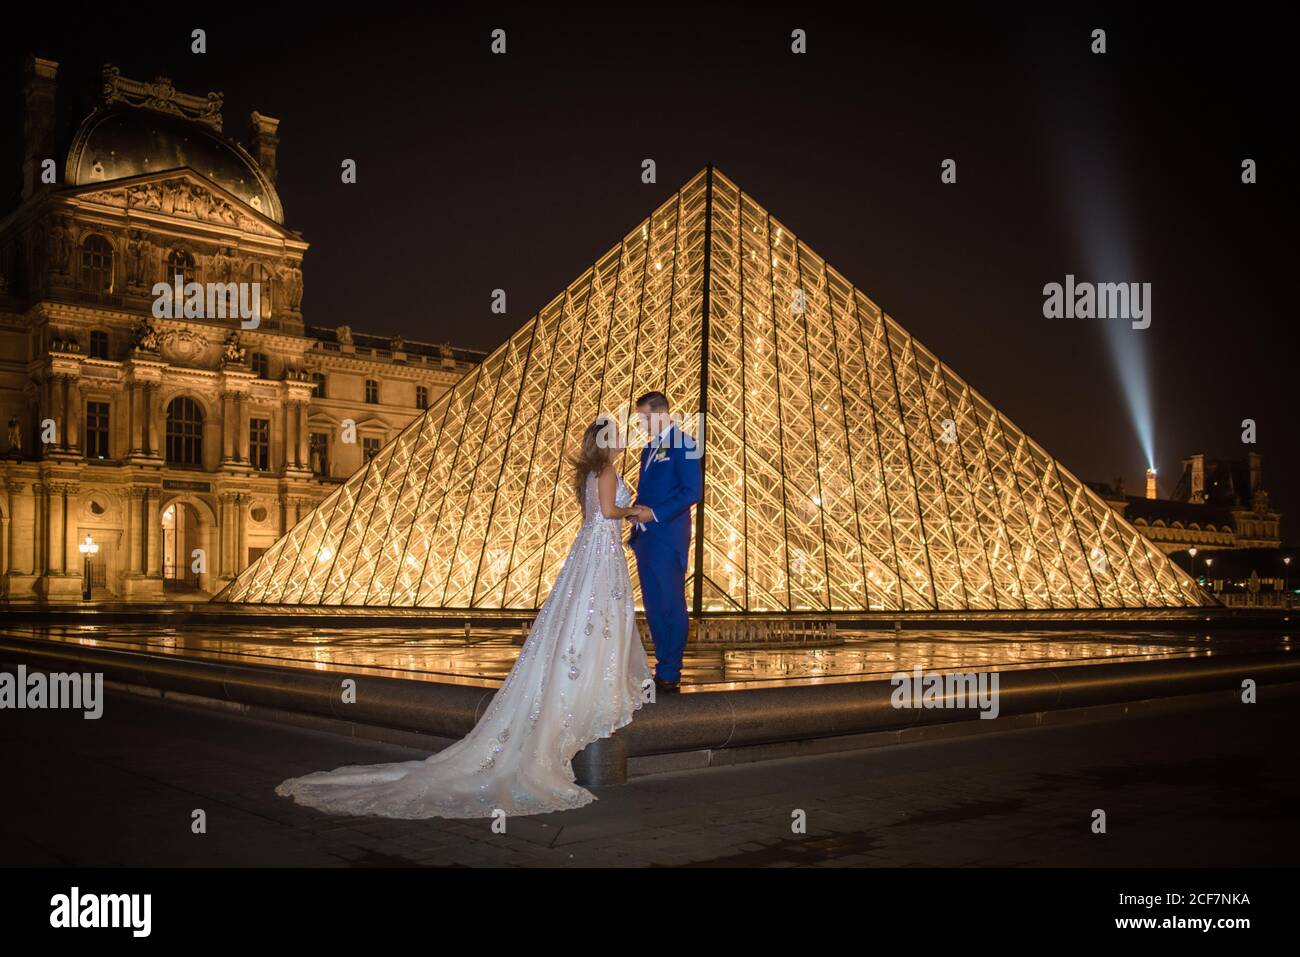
(119, 140)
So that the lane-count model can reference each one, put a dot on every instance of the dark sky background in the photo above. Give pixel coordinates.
(517, 171)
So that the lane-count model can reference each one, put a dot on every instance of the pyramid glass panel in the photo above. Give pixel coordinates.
(847, 468)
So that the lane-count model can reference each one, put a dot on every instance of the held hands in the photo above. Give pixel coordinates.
(640, 513)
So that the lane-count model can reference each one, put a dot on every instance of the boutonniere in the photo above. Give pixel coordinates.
(661, 455)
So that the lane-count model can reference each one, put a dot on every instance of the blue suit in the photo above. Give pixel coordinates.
(671, 481)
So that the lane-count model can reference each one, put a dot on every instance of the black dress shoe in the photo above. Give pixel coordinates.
(666, 687)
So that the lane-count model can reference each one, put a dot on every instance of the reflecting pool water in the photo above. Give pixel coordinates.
(486, 654)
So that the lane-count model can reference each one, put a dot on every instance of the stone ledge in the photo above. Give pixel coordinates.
(700, 729)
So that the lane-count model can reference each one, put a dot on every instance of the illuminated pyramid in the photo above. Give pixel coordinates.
(846, 468)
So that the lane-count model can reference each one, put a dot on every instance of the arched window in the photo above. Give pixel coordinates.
(259, 274)
(97, 265)
(184, 431)
(179, 261)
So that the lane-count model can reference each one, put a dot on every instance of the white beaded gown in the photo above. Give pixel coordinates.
(580, 676)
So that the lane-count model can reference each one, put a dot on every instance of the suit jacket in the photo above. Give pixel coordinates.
(671, 481)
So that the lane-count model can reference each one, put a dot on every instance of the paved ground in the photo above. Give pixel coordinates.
(1216, 786)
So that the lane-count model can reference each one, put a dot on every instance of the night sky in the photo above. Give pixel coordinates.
(478, 171)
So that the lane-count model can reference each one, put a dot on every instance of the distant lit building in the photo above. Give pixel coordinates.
(154, 436)
(1216, 504)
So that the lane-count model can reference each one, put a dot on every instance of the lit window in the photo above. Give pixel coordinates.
(319, 443)
(259, 443)
(181, 263)
(97, 265)
(96, 430)
(184, 432)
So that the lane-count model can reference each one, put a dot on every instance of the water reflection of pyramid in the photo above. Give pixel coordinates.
(845, 466)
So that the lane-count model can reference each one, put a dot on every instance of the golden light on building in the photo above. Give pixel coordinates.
(845, 466)
(169, 436)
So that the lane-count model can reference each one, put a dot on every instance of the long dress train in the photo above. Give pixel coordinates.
(580, 676)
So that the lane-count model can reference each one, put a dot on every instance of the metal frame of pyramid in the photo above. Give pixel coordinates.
(846, 467)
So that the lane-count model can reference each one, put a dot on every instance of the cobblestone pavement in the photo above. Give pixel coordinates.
(1213, 786)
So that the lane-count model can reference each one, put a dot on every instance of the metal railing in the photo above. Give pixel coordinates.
(1263, 599)
(730, 631)
(757, 631)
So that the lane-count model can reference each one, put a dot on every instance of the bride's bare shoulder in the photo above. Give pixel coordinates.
(607, 479)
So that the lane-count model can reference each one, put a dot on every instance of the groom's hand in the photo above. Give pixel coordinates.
(643, 513)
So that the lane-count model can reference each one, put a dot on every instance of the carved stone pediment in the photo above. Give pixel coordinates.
(184, 197)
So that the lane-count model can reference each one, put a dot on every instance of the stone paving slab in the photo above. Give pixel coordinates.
(1213, 786)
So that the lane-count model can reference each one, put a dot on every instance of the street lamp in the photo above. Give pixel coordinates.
(87, 548)
(1286, 563)
(1192, 551)
(1208, 563)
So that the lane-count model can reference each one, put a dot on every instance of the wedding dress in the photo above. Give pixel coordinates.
(580, 676)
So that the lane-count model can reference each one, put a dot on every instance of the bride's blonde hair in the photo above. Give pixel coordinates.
(594, 454)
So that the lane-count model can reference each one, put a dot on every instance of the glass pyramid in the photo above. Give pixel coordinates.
(846, 467)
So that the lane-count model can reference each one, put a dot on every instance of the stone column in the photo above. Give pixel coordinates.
(139, 427)
(134, 519)
(38, 528)
(56, 542)
(11, 499)
(146, 419)
(153, 534)
(241, 505)
(289, 435)
(143, 557)
(241, 428)
(132, 420)
(71, 554)
(76, 398)
(304, 457)
(227, 430)
(69, 528)
(227, 525)
(19, 545)
(58, 410)
(157, 421)
(217, 565)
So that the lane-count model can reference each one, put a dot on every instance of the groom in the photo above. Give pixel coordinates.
(671, 481)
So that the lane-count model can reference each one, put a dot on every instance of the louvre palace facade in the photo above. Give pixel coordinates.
(180, 447)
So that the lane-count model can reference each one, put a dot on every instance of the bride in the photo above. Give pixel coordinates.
(581, 674)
